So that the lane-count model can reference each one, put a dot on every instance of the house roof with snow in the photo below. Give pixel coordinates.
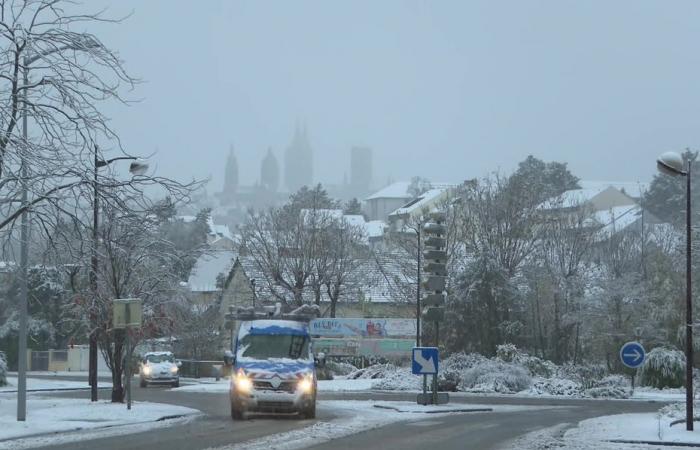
(425, 200)
(207, 269)
(221, 231)
(598, 198)
(634, 189)
(398, 189)
(375, 228)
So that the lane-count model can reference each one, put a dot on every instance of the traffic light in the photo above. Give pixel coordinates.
(435, 259)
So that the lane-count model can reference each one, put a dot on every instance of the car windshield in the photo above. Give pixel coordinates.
(159, 358)
(266, 346)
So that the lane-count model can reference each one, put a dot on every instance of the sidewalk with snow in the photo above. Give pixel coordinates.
(619, 432)
(51, 420)
(41, 384)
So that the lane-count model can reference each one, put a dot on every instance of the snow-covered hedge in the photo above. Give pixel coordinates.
(340, 368)
(3, 370)
(495, 376)
(663, 368)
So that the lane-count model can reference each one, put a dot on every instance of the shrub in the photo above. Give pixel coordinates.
(507, 352)
(495, 376)
(587, 375)
(663, 368)
(556, 386)
(373, 372)
(340, 368)
(607, 392)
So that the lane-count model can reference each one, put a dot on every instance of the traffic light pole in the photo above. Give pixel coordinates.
(418, 308)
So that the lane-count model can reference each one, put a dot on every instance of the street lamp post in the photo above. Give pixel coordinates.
(136, 168)
(87, 43)
(671, 163)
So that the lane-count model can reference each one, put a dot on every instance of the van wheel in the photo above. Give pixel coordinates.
(236, 414)
(310, 412)
(176, 384)
(143, 383)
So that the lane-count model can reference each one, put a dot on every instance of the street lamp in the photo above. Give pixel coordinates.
(136, 168)
(85, 42)
(671, 163)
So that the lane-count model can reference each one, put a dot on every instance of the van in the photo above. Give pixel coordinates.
(274, 369)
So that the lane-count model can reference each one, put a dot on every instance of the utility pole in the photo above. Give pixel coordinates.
(23, 262)
(92, 362)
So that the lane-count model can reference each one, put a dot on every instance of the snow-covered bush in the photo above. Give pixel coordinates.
(663, 368)
(373, 372)
(400, 380)
(340, 368)
(607, 392)
(3, 369)
(507, 352)
(535, 366)
(495, 376)
(587, 375)
(556, 386)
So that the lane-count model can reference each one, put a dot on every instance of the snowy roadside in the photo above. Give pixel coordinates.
(389, 385)
(356, 416)
(37, 384)
(620, 431)
(51, 421)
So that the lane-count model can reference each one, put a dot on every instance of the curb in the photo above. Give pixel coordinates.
(55, 389)
(105, 427)
(463, 410)
(661, 443)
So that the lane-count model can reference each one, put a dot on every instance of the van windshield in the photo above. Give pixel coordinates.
(267, 346)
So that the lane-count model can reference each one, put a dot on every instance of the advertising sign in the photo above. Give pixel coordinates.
(369, 328)
(399, 348)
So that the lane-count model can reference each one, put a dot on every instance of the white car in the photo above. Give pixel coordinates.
(159, 368)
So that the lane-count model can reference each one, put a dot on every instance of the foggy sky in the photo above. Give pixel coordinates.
(448, 90)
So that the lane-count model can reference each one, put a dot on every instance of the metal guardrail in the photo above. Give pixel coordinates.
(198, 369)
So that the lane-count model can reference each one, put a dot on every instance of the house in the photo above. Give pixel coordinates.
(208, 273)
(417, 207)
(379, 205)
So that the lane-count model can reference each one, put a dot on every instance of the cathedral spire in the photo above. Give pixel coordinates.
(231, 173)
(269, 172)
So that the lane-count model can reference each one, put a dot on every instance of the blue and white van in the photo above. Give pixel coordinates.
(274, 370)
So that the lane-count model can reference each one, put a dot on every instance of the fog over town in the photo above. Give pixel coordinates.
(400, 224)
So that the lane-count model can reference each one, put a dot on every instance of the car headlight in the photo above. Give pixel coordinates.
(146, 370)
(306, 384)
(173, 370)
(243, 383)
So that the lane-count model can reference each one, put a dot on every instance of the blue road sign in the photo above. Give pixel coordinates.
(425, 360)
(632, 354)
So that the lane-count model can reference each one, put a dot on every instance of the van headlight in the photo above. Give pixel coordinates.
(173, 370)
(306, 384)
(243, 382)
(146, 370)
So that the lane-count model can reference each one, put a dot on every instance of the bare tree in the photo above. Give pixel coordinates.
(135, 262)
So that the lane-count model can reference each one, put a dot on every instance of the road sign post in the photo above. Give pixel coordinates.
(425, 361)
(632, 355)
(127, 313)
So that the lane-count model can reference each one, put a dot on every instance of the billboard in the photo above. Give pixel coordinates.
(397, 348)
(367, 328)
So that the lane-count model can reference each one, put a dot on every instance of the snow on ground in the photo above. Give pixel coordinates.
(605, 433)
(45, 385)
(646, 393)
(352, 417)
(47, 416)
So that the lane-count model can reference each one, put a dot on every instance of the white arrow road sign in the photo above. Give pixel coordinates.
(427, 365)
(634, 354)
